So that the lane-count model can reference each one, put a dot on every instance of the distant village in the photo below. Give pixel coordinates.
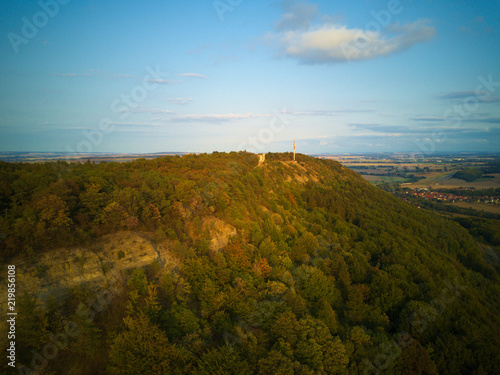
(450, 197)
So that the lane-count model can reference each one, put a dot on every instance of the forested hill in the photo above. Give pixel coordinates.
(323, 273)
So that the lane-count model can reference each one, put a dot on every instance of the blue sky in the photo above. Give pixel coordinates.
(199, 76)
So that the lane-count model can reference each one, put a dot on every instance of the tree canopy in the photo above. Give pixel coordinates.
(326, 274)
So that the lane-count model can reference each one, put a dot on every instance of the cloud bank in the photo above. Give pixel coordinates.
(180, 101)
(480, 95)
(172, 117)
(196, 75)
(326, 42)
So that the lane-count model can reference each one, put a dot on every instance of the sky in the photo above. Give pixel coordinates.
(229, 75)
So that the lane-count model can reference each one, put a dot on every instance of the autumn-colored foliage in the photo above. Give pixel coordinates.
(325, 274)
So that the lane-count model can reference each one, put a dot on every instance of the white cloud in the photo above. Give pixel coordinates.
(218, 117)
(480, 96)
(180, 101)
(246, 116)
(456, 117)
(134, 124)
(196, 75)
(298, 15)
(334, 112)
(329, 42)
(95, 73)
(141, 109)
(69, 74)
(226, 117)
(163, 81)
(428, 118)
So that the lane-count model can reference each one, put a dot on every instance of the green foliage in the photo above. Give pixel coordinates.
(138, 281)
(221, 361)
(32, 330)
(309, 342)
(323, 275)
(86, 344)
(469, 174)
(315, 285)
(143, 349)
(416, 360)
(329, 317)
(276, 363)
(486, 230)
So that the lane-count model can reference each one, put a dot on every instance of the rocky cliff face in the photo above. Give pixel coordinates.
(56, 272)
(219, 231)
(97, 267)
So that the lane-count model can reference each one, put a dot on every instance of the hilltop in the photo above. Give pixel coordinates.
(283, 267)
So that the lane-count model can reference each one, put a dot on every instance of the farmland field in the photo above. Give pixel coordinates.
(479, 206)
(381, 179)
(439, 180)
